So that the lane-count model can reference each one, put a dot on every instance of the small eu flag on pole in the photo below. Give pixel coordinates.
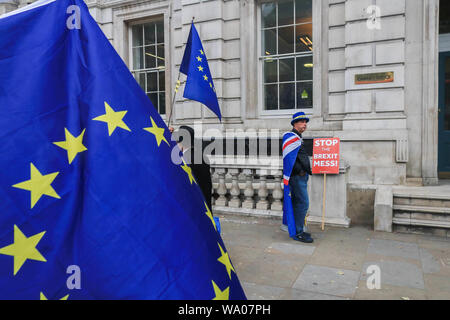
(199, 84)
(92, 205)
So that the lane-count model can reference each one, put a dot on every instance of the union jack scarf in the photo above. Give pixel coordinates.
(291, 146)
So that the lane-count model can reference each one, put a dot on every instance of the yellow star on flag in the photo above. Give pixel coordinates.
(113, 119)
(220, 295)
(225, 259)
(205, 77)
(199, 59)
(38, 185)
(73, 145)
(209, 214)
(43, 297)
(200, 68)
(157, 132)
(188, 170)
(23, 249)
(201, 51)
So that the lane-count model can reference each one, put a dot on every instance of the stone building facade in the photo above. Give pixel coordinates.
(270, 59)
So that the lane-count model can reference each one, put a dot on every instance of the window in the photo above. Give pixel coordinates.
(148, 62)
(287, 54)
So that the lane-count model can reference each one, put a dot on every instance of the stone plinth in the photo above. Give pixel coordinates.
(336, 199)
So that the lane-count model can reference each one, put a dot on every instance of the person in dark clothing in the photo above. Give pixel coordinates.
(298, 182)
(194, 158)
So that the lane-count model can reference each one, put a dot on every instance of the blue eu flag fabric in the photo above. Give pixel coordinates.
(92, 205)
(199, 83)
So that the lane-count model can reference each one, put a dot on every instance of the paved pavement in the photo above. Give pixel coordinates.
(337, 265)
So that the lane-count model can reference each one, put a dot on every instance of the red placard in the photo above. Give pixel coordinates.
(326, 156)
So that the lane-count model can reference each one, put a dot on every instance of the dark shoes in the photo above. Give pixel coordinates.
(303, 237)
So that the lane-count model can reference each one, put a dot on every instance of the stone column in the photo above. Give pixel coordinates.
(8, 5)
(277, 194)
(222, 189)
(235, 202)
(249, 191)
(262, 203)
(213, 174)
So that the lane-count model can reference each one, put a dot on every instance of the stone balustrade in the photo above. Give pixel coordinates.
(254, 187)
(247, 186)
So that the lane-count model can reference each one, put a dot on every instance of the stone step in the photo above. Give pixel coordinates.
(420, 222)
(422, 200)
(421, 195)
(422, 209)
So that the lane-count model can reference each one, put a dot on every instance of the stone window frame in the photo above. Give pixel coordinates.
(251, 88)
(127, 14)
(145, 70)
(280, 57)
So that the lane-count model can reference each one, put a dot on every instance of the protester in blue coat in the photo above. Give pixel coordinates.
(296, 171)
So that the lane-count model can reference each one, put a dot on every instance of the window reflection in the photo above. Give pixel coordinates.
(286, 36)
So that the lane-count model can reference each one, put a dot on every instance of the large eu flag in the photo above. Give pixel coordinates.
(199, 83)
(92, 206)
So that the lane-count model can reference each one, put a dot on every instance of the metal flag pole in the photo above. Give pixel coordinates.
(177, 86)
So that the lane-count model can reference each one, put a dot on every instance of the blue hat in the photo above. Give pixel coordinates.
(299, 116)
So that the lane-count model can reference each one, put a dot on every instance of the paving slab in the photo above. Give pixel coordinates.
(270, 265)
(437, 287)
(331, 281)
(429, 263)
(279, 270)
(393, 248)
(291, 248)
(340, 253)
(396, 273)
(388, 292)
(294, 294)
(261, 292)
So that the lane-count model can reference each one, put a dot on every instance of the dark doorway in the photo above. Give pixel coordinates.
(444, 91)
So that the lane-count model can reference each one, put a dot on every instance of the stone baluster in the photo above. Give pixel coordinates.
(213, 191)
(263, 203)
(249, 192)
(277, 193)
(222, 188)
(235, 192)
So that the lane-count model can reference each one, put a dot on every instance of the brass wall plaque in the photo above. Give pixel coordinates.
(370, 78)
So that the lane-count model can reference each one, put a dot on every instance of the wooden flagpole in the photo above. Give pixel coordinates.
(323, 201)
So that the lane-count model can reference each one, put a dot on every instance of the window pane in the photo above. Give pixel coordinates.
(286, 40)
(160, 54)
(137, 35)
(303, 37)
(149, 32)
(271, 97)
(287, 95)
(152, 81)
(285, 13)
(270, 71)
(303, 11)
(304, 95)
(141, 80)
(268, 14)
(154, 99)
(287, 69)
(162, 103)
(269, 42)
(138, 59)
(304, 68)
(150, 54)
(162, 81)
(160, 32)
